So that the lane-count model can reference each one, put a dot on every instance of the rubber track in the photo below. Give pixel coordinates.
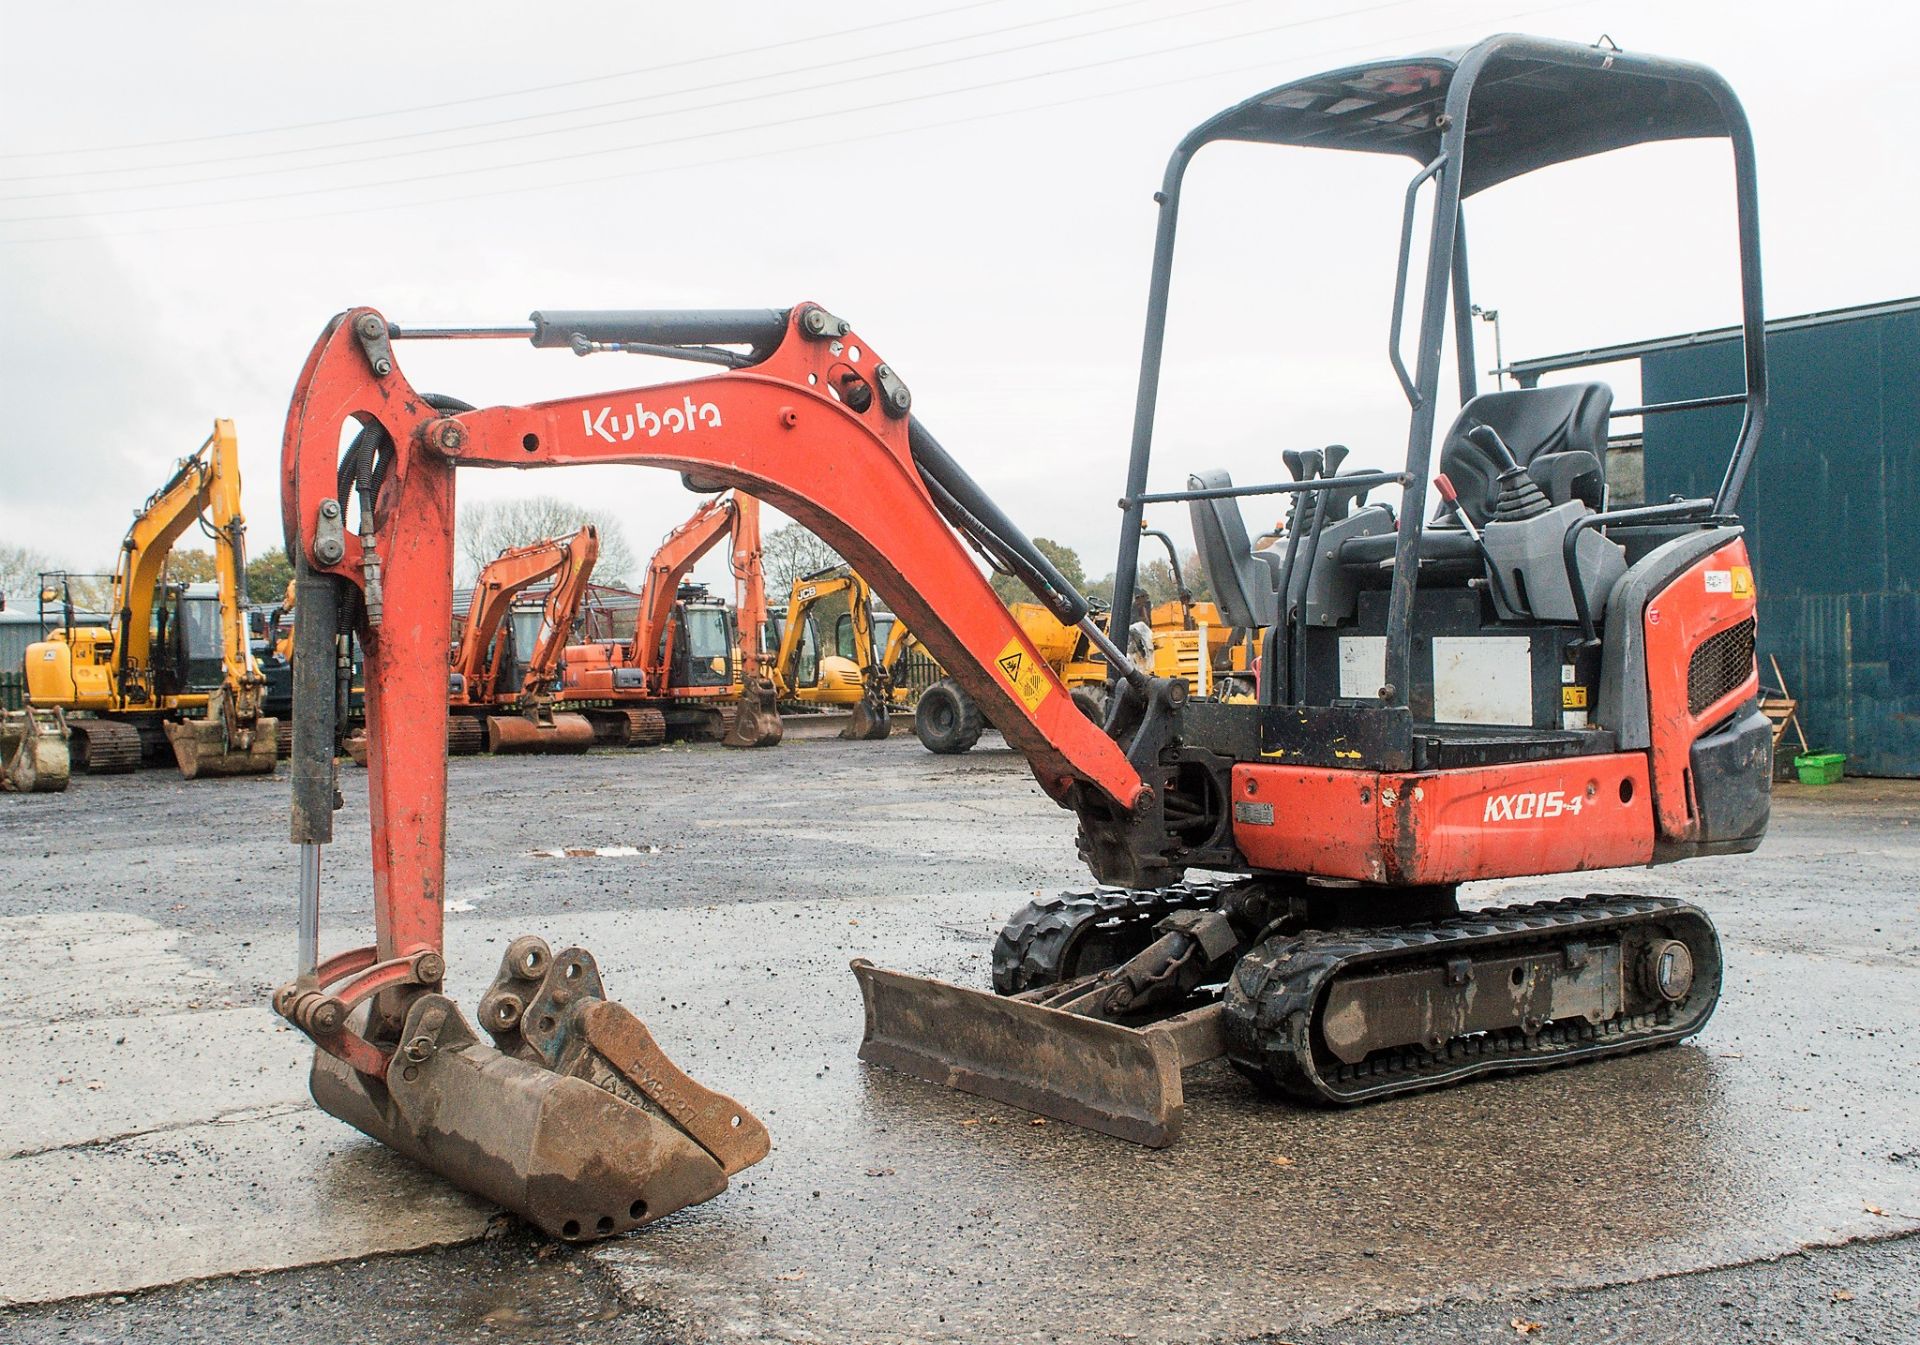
(645, 728)
(1027, 953)
(112, 748)
(1277, 990)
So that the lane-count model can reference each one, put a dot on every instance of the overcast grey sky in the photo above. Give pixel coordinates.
(969, 183)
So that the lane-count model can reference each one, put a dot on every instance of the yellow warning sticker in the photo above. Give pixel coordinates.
(1573, 698)
(1024, 674)
(1743, 581)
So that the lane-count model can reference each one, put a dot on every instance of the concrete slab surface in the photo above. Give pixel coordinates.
(891, 1209)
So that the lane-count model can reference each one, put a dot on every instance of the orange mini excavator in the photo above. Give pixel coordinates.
(501, 693)
(1527, 681)
(665, 680)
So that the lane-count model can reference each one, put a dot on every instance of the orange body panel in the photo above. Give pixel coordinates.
(1445, 826)
(1714, 595)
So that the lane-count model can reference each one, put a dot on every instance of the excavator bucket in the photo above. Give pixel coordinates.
(872, 717)
(1105, 1076)
(756, 716)
(215, 745)
(510, 734)
(33, 751)
(574, 1118)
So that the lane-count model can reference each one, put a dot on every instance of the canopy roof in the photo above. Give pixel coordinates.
(1533, 103)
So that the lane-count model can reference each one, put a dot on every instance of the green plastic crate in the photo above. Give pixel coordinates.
(1820, 768)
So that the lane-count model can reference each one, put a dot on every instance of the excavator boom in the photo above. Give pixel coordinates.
(395, 1057)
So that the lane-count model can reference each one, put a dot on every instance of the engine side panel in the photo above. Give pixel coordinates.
(1406, 828)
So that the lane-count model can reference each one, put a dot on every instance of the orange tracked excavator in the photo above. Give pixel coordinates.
(646, 688)
(501, 695)
(1528, 682)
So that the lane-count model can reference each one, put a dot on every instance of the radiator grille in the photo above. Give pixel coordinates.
(1719, 665)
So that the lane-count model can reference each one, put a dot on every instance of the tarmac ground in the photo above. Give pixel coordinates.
(170, 1180)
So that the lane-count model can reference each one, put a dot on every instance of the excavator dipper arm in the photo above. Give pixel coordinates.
(555, 1123)
(679, 553)
(476, 660)
(558, 612)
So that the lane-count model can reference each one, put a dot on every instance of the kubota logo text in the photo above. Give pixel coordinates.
(616, 426)
(1533, 805)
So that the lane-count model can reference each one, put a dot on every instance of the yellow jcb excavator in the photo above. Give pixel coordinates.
(854, 673)
(174, 665)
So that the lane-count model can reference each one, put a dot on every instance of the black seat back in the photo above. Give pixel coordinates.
(1242, 580)
(1558, 434)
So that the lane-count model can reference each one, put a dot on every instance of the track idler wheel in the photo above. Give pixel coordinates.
(756, 716)
(513, 734)
(1062, 938)
(574, 1119)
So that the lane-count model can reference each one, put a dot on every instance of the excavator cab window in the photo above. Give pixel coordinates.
(523, 629)
(808, 673)
(843, 642)
(707, 639)
(201, 650)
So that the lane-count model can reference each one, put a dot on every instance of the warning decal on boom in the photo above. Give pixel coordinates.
(1025, 674)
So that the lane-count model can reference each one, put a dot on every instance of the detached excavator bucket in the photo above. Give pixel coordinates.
(1119, 1080)
(34, 756)
(756, 716)
(508, 734)
(574, 1119)
(216, 746)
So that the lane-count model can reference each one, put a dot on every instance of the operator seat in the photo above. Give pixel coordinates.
(1246, 583)
(1558, 434)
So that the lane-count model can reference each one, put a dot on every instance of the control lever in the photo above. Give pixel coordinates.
(1452, 497)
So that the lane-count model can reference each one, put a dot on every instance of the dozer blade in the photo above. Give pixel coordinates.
(756, 717)
(204, 747)
(34, 756)
(574, 1119)
(519, 733)
(1119, 1080)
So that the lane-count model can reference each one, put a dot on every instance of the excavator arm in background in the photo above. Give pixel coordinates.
(480, 657)
(522, 1121)
(678, 554)
(756, 716)
(528, 723)
(871, 700)
(558, 613)
(649, 652)
(233, 737)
